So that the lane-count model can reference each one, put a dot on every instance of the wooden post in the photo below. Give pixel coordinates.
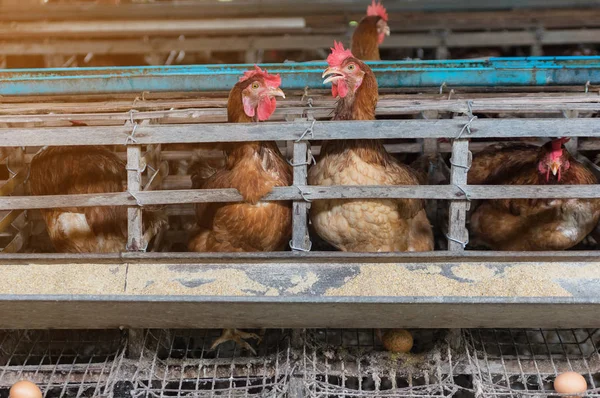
(134, 214)
(457, 231)
(300, 238)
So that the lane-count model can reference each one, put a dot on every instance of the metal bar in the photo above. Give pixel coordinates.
(392, 74)
(300, 290)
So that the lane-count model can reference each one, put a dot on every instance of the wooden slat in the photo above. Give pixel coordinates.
(13, 182)
(458, 236)
(8, 219)
(448, 192)
(300, 238)
(331, 130)
(135, 231)
(40, 110)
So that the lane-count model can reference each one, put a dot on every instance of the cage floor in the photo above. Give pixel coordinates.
(298, 363)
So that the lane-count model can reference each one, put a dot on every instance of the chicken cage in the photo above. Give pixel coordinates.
(298, 363)
(133, 316)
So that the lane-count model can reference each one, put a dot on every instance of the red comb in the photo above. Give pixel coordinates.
(377, 10)
(270, 80)
(338, 54)
(557, 147)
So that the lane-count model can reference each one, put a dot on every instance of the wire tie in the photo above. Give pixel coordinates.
(300, 249)
(450, 94)
(463, 191)
(463, 244)
(308, 131)
(442, 87)
(462, 166)
(303, 194)
(137, 200)
(587, 86)
(470, 107)
(466, 127)
(311, 160)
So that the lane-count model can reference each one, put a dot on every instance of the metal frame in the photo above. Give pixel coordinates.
(531, 71)
(298, 289)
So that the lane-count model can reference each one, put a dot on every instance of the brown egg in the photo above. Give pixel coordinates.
(570, 382)
(24, 389)
(397, 340)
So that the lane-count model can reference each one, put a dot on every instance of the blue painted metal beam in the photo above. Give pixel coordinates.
(535, 71)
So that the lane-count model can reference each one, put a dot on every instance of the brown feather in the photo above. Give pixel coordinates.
(530, 224)
(253, 168)
(365, 44)
(84, 170)
(366, 225)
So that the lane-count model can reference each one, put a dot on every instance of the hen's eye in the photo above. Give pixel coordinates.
(351, 67)
(255, 85)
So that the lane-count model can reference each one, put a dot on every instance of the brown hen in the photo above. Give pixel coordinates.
(532, 224)
(378, 225)
(85, 170)
(370, 33)
(253, 168)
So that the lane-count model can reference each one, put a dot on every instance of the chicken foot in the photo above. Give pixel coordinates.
(238, 337)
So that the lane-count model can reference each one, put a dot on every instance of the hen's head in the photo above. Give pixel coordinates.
(345, 73)
(554, 159)
(259, 90)
(377, 10)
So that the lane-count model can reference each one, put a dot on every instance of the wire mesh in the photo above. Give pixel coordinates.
(63, 363)
(298, 363)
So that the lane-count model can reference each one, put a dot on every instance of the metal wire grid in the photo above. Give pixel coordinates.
(63, 363)
(314, 363)
(509, 363)
(181, 364)
(356, 369)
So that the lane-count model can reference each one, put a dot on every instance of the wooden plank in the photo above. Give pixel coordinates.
(448, 192)
(458, 236)
(300, 239)
(385, 107)
(135, 232)
(326, 130)
(88, 108)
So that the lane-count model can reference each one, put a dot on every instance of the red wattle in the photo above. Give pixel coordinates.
(266, 107)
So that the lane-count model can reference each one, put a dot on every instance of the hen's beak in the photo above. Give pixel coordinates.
(386, 30)
(333, 73)
(276, 92)
(554, 168)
